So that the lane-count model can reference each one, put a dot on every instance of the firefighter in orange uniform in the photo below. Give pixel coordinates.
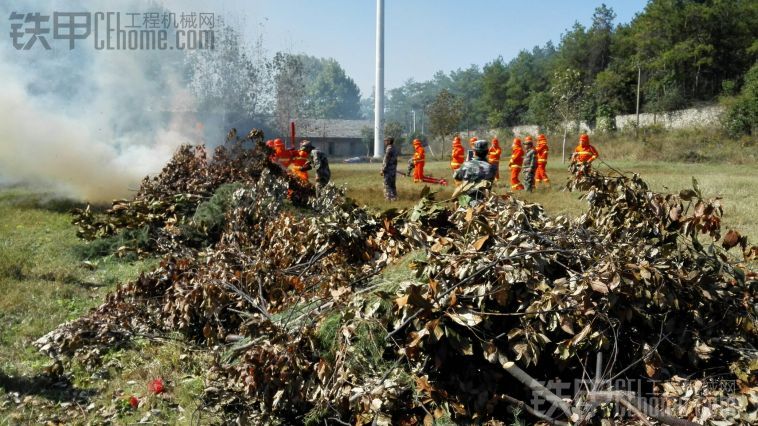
(541, 172)
(458, 156)
(299, 158)
(472, 141)
(283, 156)
(584, 154)
(517, 159)
(493, 157)
(419, 158)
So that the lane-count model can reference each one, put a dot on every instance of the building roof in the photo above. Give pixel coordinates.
(331, 128)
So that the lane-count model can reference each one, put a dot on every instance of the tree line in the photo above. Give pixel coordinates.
(680, 52)
(242, 83)
(673, 54)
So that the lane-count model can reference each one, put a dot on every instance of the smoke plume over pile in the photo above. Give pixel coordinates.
(87, 123)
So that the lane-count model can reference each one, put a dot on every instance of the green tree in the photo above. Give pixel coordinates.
(394, 129)
(494, 88)
(568, 93)
(741, 115)
(333, 94)
(445, 115)
(290, 83)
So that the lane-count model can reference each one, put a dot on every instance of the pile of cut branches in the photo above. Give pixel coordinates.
(499, 302)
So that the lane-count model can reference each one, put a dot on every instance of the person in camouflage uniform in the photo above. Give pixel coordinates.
(475, 171)
(316, 161)
(529, 165)
(389, 169)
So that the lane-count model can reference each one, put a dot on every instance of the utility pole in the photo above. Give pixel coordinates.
(639, 77)
(413, 112)
(379, 85)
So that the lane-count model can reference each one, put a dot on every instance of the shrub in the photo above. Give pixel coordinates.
(741, 115)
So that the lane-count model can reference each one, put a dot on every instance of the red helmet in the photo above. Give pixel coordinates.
(584, 138)
(516, 142)
(542, 138)
(529, 139)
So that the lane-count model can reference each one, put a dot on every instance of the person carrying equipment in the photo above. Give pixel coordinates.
(317, 161)
(419, 158)
(517, 159)
(282, 155)
(299, 159)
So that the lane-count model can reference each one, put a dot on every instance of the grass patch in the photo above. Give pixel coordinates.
(736, 184)
(326, 336)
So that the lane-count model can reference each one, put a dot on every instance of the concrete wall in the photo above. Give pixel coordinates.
(691, 118)
(681, 119)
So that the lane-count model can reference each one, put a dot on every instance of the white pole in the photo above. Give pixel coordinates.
(414, 120)
(379, 86)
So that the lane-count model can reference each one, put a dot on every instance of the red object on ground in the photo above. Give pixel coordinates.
(429, 179)
(156, 386)
(134, 402)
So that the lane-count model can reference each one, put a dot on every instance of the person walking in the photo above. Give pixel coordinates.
(529, 165)
(493, 157)
(389, 169)
(540, 175)
(517, 159)
(419, 158)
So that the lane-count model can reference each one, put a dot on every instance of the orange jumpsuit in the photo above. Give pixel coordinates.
(584, 152)
(517, 159)
(299, 158)
(419, 158)
(282, 155)
(493, 156)
(458, 156)
(540, 174)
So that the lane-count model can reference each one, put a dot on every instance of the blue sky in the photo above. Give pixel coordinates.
(422, 36)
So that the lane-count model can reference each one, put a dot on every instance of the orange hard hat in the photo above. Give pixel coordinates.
(584, 138)
(529, 139)
(270, 143)
(278, 142)
(516, 141)
(417, 142)
(495, 142)
(473, 139)
(457, 139)
(541, 137)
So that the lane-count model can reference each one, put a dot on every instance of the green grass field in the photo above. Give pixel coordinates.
(45, 281)
(736, 184)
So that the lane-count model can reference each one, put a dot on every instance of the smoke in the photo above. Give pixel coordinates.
(90, 124)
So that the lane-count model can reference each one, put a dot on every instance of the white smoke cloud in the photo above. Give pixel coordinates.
(90, 124)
